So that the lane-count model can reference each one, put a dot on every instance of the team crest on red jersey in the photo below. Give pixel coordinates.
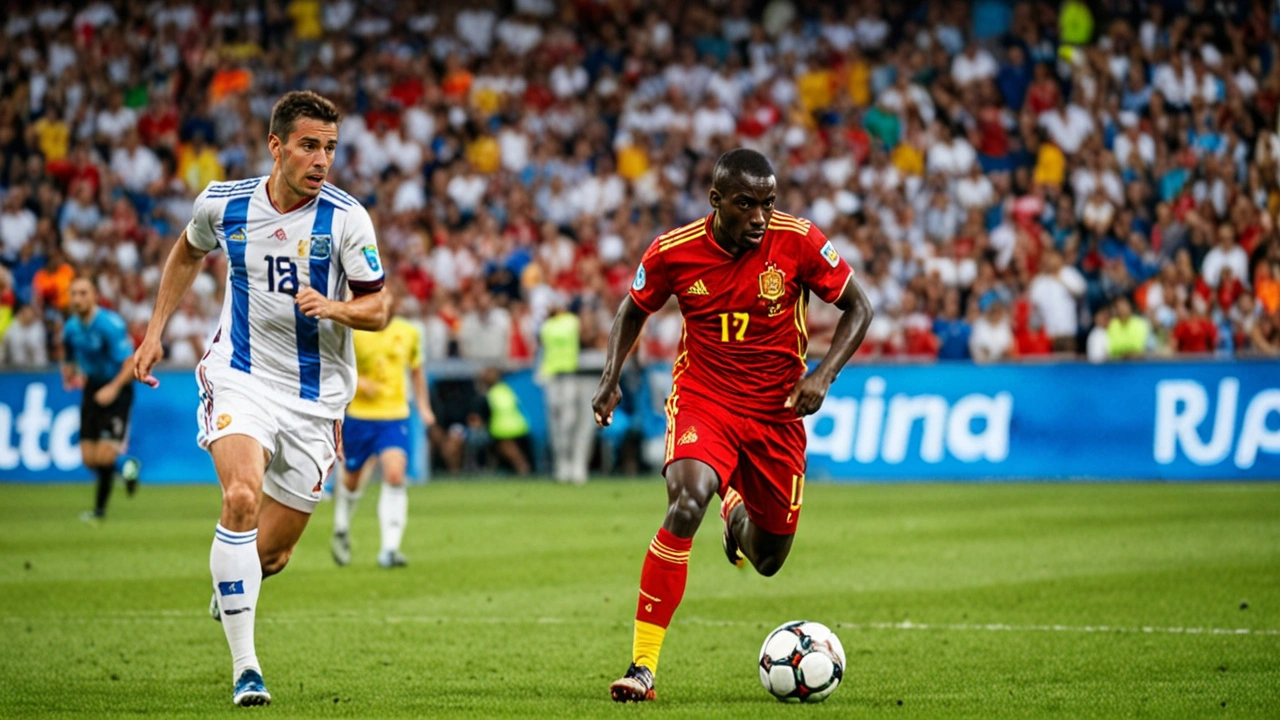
(772, 283)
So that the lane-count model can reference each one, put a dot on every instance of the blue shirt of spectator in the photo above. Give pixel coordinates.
(991, 18)
(24, 273)
(1171, 183)
(953, 338)
(1014, 78)
(100, 347)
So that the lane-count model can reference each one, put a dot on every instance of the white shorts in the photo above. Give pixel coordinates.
(302, 448)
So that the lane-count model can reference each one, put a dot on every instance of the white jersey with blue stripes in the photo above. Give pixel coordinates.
(328, 244)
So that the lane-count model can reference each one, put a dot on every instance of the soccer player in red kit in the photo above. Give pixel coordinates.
(739, 392)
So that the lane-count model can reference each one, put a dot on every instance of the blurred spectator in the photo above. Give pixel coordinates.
(1226, 254)
(1195, 331)
(17, 222)
(1127, 333)
(992, 337)
(485, 331)
(512, 157)
(1098, 346)
(952, 330)
(1054, 293)
(25, 343)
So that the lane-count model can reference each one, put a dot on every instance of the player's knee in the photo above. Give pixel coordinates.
(241, 502)
(687, 507)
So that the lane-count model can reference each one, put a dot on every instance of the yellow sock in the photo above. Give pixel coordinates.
(647, 644)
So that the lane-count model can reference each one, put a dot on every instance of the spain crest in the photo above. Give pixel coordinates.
(772, 283)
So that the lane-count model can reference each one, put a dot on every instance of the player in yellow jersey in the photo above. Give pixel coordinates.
(376, 431)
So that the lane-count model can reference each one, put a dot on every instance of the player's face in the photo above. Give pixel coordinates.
(306, 155)
(82, 297)
(743, 210)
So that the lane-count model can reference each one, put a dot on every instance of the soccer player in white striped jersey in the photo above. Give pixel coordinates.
(280, 368)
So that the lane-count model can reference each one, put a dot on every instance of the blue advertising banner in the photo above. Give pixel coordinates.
(1122, 421)
(1129, 421)
(40, 426)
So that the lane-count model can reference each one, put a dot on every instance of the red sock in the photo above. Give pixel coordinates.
(666, 568)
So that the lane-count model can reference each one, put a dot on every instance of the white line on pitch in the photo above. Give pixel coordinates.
(165, 616)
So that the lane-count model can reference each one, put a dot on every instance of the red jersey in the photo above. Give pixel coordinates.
(745, 337)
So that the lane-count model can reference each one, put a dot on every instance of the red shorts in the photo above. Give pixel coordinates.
(764, 461)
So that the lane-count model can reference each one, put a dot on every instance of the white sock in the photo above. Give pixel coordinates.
(393, 512)
(345, 503)
(237, 578)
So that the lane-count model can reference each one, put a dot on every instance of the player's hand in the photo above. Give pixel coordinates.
(72, 382)
(366, 388)
(106, 395)
(808, 395)
(428, 417)
(607, 398)
(145, 358)
(313, 304)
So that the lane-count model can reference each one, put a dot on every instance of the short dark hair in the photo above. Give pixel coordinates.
(301, 104)
(739, 162)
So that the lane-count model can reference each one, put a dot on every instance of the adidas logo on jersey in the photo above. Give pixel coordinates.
(698, 288)
(689, 436)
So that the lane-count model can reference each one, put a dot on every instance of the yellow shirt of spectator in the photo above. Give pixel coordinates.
(859, 83)
(485, 154)
(633, 163)
(306, 19)
(814, 88)
(1051, 166)
(53, 137)
(385, 358)
(908, 159)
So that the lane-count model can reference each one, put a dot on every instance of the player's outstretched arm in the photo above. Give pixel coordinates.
(371, 311)
(622, 340)
(812, 389)
(180, 271)
(423, 396)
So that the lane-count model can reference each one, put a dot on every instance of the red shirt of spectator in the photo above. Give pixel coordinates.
(1044, 94)
(993, 140)
(1195, 333)
(407, 92)
(159, 126)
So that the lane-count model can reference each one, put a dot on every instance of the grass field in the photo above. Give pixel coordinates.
(975, 601)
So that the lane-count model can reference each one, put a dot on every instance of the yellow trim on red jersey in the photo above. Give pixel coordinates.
(680, 230)
(672, 405)
(802, 324)
(674, 240)
(796, 227)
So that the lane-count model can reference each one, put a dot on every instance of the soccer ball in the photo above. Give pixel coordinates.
(802, 661)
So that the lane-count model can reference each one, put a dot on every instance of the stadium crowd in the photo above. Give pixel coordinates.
(1008, 179)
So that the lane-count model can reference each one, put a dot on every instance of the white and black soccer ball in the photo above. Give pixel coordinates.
(802, 661)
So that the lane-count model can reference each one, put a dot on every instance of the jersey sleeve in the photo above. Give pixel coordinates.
(200, 233)
(822, 270)
(652, 284)
(118, 336)
(360, 260)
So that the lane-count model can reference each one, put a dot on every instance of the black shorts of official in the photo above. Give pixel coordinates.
(110, 422)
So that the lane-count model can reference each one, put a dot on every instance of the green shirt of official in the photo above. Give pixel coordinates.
(506, 422)
(560, 340)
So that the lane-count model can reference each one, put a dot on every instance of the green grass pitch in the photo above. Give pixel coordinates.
(953, 601)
